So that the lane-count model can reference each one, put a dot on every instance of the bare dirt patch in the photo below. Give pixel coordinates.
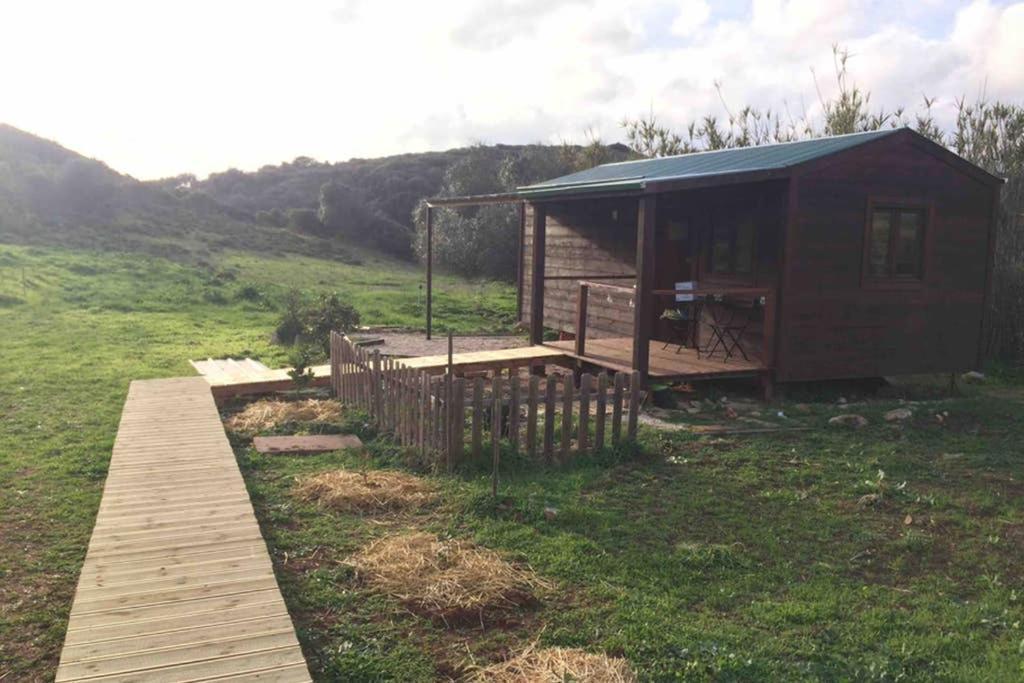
(366, 492)
(451, 579)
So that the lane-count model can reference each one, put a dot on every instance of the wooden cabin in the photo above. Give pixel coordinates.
(852, 256)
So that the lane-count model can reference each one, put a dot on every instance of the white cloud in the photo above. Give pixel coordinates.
(162, 88)
(693, 14)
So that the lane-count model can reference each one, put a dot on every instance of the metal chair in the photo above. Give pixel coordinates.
(727, 329)
(684, 320)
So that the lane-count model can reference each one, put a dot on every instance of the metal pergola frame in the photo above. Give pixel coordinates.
(472, 200)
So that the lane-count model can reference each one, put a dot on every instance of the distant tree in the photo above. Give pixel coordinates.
(482, 241)
(304, 220)
(274, 218)
(343, 210)
(84, 186)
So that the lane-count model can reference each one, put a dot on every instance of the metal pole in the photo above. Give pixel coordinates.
(450, 418)
(430, 266)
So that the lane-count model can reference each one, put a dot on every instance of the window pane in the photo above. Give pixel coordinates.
(745, 246)
(907, 259)
(721, 248)
(881, 228)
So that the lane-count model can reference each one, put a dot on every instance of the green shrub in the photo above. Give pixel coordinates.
(311, 325)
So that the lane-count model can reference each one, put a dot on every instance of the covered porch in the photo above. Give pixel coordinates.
(665, 363)
(632, 253)
(598, 270)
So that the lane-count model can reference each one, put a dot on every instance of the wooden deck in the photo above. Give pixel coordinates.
(671, 363)
(177, 583)
(498, 359)
(229, 377)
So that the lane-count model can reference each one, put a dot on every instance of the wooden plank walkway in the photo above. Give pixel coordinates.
(229, 377)
(177, 583)
(470, 361)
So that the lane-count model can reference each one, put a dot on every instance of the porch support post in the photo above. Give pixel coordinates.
(430, 267)
(520, 275)
(643, 298)
(537, 276)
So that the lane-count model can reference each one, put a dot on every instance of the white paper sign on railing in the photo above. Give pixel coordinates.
(684, 287)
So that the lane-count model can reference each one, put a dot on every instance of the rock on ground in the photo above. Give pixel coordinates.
(850, 420)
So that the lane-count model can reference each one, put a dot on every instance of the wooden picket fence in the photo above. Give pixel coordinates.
(445, 417)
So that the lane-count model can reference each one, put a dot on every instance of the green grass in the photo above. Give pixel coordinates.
(763, 558)
(755, 559)
(77, 327)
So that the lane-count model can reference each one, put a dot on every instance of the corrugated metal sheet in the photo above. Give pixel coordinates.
(634, 175)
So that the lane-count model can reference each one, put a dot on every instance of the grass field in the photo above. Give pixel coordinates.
(888, 553)
(77, 327)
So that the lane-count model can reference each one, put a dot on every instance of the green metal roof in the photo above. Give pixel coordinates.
(629, 176)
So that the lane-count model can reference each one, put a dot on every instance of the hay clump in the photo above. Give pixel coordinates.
(263, 415)
(450, 579)
(555, 665)
(371, 491)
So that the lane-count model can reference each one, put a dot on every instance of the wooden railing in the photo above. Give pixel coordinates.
(547, 417)
(721, 292)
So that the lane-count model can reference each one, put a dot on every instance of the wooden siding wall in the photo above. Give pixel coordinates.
(584, 238)
(834, 327)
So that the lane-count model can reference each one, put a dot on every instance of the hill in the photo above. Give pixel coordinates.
(54, 196)
(373, 201)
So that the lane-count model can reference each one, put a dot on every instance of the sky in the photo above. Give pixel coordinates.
(159, 88)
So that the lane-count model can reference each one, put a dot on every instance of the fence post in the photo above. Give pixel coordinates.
(567, 396)
(531, 416)
(634, 404)
(440, 423)
(549, 418)
(424, 412)
(583, 430)
(513, 410)
(333, 345)
(375, 387)
(458, 420)
(602, 396)
(617, 407)
(495, 432)
(385, 384)
(478, 410)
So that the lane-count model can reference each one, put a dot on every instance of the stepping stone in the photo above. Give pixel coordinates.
(304, 445)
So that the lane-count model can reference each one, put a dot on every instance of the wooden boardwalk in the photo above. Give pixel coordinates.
(177, 583)
(229, 377)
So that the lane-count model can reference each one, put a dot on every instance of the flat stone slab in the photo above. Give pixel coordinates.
(315, 443)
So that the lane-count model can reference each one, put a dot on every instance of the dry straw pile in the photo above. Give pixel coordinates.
(372, 491)
(263, 415)
(556, 665)
(451, 579)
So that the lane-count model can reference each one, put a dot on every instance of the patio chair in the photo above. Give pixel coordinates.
(729, 319)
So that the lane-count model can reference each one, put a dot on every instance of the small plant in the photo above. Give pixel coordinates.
(301, 359)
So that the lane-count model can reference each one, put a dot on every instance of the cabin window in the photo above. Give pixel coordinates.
(732, 247)
(896, 243)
